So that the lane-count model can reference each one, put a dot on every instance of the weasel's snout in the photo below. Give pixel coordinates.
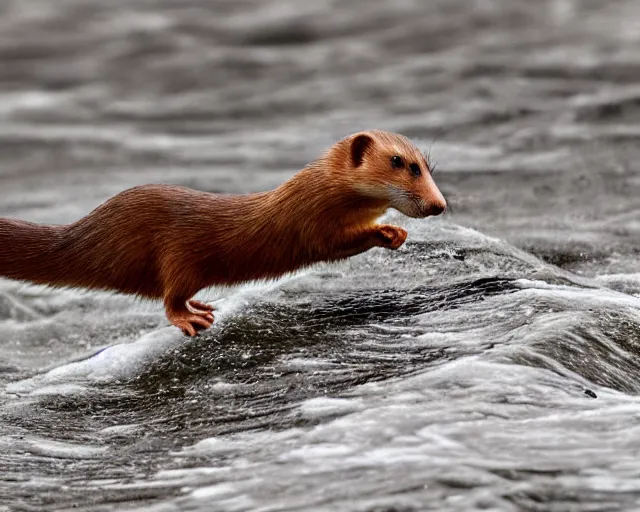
(435, 208)
(415, 205)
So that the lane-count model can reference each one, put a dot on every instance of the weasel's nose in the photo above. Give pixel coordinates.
(436, 208)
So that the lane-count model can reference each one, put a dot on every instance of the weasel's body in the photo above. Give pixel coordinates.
(169, 242)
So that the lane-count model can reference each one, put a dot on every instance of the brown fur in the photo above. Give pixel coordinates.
(169, 242)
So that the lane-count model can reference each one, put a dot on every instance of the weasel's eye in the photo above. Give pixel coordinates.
(415, 169)
(397, 162)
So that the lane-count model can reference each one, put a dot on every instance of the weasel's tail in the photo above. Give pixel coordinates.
(31, 252)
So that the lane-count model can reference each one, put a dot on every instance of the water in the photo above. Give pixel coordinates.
(489, 364)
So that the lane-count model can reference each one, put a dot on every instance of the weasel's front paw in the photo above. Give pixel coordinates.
(391, 237)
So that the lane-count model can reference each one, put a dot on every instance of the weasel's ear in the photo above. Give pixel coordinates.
(359, 146)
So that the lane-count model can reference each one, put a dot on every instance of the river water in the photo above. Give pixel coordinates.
(490, 364)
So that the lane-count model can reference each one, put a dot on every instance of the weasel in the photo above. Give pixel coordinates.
(168, 242)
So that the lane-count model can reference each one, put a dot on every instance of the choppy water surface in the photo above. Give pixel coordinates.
(492, 363)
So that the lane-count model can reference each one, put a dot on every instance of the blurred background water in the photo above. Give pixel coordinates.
(489, 364)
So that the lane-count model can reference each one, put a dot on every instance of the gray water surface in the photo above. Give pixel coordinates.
(490, 364)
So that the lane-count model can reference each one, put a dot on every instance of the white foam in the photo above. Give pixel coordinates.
(238, 443)
(319, 451)
(121, 430)
(599, 295)
(112, 363)
(62, 450)
(213, 446)
(188, 474)
(322, 407)
(124, 361)
(217, 491)
(59, 390)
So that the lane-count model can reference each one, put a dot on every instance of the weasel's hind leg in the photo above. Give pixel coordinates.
(199, 307)
(190, 320)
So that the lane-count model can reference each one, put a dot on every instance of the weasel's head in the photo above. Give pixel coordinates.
(390, 168)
